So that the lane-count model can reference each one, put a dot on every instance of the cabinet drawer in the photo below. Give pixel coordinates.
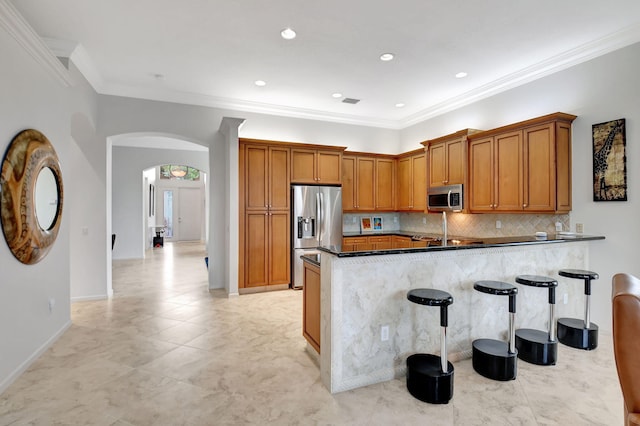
(380, 239)
(354, 240)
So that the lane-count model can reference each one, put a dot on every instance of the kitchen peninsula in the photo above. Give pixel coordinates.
(361, 292)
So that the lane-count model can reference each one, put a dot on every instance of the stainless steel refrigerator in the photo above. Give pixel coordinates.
(316, 220)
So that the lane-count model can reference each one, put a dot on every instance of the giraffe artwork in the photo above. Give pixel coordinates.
(609, 161)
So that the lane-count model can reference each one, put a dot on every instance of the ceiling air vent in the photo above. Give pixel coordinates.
(350, 101)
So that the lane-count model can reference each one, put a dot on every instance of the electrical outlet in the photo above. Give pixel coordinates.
(424, 220)
(354, 220)
(85, 230)
(395, 219)
(498, 224)
(52, 303)
(384, 333)
(579, 228)
(565, 298)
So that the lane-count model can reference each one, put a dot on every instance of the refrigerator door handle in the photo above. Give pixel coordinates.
(319, 217)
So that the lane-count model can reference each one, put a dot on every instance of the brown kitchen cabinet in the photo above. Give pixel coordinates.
(400, 242)
(412, 181)
(366, 243)
(384, 186)
(264, 228)
(311, 305)
(316, 166)
(447, 162)
(524, 167)
(367, 183)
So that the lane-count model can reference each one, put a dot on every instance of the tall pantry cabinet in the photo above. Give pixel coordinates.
(265, 247)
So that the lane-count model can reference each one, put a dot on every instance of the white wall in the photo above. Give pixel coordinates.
(355, 138)
(600, 90)
(33, 98)
(129, 194)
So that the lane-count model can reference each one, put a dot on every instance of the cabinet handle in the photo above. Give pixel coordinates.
(524, 206)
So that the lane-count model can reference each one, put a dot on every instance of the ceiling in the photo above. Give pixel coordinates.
(210, 52)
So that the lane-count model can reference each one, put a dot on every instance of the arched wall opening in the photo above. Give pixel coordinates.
(128, 192)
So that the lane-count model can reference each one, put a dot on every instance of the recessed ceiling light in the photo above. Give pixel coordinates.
(386, 57)
(400, 105)
(337, 95)
(461, 75)
(288, 34)
(260, 83)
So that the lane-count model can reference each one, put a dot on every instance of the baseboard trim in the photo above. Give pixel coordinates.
(89, 298)
(4, 385)
(264, 288)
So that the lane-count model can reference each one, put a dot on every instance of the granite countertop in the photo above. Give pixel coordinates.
(314, 259)
(463, 243)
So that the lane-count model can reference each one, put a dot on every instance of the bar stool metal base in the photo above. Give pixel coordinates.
(571, 332)
(492, 359)
(535, 347)
(426, 381)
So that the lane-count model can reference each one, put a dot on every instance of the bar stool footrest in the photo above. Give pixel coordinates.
(426, 381)
(492, 359)
(571, 332)
(535, 347)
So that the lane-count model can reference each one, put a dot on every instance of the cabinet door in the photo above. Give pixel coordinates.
(456, 161)
(256, 182)
(365, 179)
(419, 186)
(348, 183)
(311, 305)
(384, 184)
(563, 167)
(481, 175)
(401, 242)
(405, 184)
(279, 194)
(508, 172)
(329, 164)
(256, 249)
(303, 165)
(279, 253)
(539, 189)
(437, 164)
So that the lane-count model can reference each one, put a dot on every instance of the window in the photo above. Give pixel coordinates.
(173, 171)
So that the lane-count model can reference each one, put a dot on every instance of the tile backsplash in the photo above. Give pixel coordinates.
(464, 225)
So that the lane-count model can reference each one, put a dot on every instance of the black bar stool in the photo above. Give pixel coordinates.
(576, 332)
(536, 346)
(495, 359)
(430, 377)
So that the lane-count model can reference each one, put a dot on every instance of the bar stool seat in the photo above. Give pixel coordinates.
(495, 359)
(574, 332)
(537, 346)
(430, 377)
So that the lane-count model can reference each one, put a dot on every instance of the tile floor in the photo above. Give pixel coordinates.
(166, 351)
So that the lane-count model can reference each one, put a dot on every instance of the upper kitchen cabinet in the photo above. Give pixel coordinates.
(319, 166)
(412, 181)
(523, 167)
(367, 182)
(448, 158)
(267, 177)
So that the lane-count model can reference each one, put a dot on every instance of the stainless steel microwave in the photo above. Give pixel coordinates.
(445, 198)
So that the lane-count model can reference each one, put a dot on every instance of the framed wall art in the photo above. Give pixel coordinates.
(377, 223)
(609, 161)
(365, 224)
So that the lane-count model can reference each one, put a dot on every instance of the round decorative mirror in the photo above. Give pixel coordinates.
(30, 196)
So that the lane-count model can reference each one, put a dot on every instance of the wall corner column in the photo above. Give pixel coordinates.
(224, 210)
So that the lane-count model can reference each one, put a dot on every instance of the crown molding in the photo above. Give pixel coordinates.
(562, 61)
(242, 106)
(13, 22)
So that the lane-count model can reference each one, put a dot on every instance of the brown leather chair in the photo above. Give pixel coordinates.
(625, 298)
